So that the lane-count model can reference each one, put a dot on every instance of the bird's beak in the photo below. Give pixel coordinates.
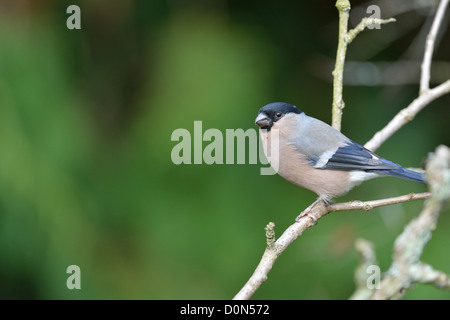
(263, 121)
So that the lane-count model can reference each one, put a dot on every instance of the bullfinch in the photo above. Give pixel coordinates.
(318, 157)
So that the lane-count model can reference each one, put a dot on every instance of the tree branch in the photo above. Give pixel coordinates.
(369, 205)
(343, 7)
(429, 47)
(407, 114)
(319, 210)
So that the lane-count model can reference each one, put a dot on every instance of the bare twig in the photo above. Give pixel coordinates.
(407, 114)
(365, 22)
(429, 47)
(273, 251)
(369, 205)
(345, 38)
(343, 7)
(270, 234)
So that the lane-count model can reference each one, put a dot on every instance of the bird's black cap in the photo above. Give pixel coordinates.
(279, 107)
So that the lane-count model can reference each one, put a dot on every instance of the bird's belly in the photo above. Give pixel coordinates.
(326, 183)
(292, 166)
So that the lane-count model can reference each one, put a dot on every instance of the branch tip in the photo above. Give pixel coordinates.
(270, 234)
(343, 5)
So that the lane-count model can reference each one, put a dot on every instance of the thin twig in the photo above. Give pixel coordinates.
(270, 234)
(369, 205)
(407, 114)
(429, 47)
(365, 22)
(343, 7)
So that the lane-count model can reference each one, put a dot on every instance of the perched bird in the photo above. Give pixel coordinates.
(318, 157)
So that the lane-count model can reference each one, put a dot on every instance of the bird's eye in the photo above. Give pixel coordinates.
(278, 115)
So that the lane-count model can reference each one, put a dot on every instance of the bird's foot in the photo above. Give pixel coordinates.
(307, 211)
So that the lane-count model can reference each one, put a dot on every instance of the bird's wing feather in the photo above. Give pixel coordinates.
(353, 156)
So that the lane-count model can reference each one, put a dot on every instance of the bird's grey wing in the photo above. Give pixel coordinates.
(315, 139)
(327, 148)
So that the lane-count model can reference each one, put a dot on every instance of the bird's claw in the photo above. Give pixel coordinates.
(306, 213)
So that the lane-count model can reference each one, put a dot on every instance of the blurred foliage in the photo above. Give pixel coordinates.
(86, 178)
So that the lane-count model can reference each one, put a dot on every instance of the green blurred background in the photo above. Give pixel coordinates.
(86, 118)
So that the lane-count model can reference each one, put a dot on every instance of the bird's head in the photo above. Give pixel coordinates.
(273, 112)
